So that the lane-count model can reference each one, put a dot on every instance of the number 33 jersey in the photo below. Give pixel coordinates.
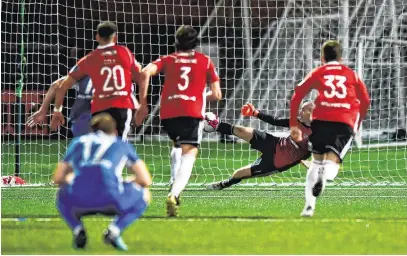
(186, 76)
(339, 90)
(111, 68)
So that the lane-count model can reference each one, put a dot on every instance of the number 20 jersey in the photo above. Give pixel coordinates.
(339, 90)
(110, 68)
(186, 76)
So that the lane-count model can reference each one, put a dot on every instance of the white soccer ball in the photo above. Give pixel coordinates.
(211, 122)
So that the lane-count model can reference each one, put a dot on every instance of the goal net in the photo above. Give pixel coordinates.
(262, 49)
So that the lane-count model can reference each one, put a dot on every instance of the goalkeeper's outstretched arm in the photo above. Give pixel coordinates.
(273, 120)
(249, 110)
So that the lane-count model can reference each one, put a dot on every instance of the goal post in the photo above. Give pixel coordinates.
(262, 49)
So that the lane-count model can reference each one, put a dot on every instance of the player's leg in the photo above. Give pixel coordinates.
(240, 174)
(188, 132)
(65, 204)
(188, 157)
(175, 160)
(261, 141)
(323, 167)
(263, 166)
(245, 133)
(123, 118)
(330, 142)
(132, 204)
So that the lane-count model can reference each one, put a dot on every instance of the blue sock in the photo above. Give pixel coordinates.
(124, 220)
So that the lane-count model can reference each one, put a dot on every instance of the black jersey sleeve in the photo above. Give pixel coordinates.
(273, 121)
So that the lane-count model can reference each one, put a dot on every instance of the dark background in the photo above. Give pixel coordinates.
(59, 32)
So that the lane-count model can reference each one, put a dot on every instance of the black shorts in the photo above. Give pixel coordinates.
(265, 143)
(330, 136)
(123, 117)
(184, 130)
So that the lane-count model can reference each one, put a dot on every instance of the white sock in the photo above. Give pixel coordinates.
(77, 229)
(115, 230)
(183, 174)
(331, 169)
(176, 154)
(312, 177)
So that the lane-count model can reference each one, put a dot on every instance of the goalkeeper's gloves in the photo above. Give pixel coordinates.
(249, 110)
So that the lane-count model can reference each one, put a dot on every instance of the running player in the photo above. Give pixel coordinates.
(96, 187)
(278, 153)
(187, 72)
(112, 68)
(341, 105)
(80, 114)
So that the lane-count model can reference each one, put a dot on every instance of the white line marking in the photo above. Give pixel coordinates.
(329, 220)
(271, 196)
(236, 189)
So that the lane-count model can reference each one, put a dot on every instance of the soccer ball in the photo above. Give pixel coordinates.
(211, 122)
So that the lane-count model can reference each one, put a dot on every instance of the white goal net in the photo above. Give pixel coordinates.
(262, 49)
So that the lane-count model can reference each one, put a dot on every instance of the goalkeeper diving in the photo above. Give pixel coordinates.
(278, 153)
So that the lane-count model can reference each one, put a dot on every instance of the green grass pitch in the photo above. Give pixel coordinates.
(251, 220)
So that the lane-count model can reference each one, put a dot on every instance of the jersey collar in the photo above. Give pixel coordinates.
(105, 46)
(332, 62)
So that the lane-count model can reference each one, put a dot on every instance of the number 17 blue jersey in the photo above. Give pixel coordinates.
(98, 160)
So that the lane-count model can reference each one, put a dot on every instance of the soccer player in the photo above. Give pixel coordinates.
(80, 114)
(341, 106)
(112, 68)
(187, 73)
(278, 153)
(90, 180)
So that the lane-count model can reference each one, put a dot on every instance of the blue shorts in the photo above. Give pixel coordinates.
(80, 205)
(80, 126)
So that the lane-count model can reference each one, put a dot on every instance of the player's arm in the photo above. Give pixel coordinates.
(249, 110)
(300, 91)
(363, 97)
(215, 93)
(150, 70)
(135, 68)
(61, 174)
(143, 177)
(75, 75)
(137, 167)
(39, 116)
(64, 168)
(147, 72)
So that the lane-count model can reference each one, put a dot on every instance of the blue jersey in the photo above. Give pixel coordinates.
(98, 160)
(84, 89)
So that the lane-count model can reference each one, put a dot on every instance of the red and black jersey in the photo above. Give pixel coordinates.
(342, 97)
(186, 76)
(111, 68)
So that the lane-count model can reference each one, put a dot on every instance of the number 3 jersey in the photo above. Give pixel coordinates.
(186, 76)
(339, 90)
(111, 68)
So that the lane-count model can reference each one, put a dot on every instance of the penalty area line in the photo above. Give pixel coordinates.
(240, 188)
(241, 219)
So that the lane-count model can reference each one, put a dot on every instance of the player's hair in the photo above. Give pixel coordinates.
(331, 51)
(106, 30)
(186, 38)
(103, 122)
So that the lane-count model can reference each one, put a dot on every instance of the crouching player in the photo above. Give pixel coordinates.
(97, 160)
(278, 153)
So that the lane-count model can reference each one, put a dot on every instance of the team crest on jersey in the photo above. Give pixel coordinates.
(109, 53)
